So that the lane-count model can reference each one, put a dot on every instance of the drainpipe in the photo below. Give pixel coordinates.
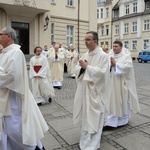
(78, 24)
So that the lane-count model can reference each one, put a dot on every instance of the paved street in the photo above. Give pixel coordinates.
(63, 135)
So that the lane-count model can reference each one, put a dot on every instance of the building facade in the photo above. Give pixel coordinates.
(39, 23)
(104, 17)
(131, 24)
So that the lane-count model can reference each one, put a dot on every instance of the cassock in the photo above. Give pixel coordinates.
(21, 122)
(72, 59)
(123, 95)
(91, 98)
(40, 76)
(57, 68)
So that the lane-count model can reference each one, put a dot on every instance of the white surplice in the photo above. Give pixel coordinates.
(122, 90)
(72, 59)
(57, 68)
(91, 98)
(14, 79)
(42, 88)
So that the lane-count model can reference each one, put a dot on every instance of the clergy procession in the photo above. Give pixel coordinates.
(105, 94)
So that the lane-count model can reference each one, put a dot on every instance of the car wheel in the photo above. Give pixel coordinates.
(140, 60)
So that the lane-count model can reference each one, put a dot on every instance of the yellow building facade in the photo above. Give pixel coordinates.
(40, 23)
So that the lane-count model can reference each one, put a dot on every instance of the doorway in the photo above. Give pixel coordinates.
(22, 31)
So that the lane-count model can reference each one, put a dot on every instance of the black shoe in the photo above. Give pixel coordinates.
(59, 87)
(39, 104)
(108, 128)
(39, 149)
(50, 100)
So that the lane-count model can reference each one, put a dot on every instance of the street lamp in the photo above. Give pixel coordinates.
(47, 22)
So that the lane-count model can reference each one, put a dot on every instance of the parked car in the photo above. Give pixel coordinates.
(144, 55)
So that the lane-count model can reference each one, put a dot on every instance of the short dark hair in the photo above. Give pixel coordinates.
(118, 42)
(36, 48)
(95, 35)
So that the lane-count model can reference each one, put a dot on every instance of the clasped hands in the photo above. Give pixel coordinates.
(113, 62)
(83, 63)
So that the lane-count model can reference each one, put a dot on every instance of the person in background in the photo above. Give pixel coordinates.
(40, 76)
(52, 47)
(21, 122)
(123, 95)
(91, 101)
(46, 51)
(56, 61)
(72, 59)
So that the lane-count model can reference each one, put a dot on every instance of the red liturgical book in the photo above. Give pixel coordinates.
(37, 68)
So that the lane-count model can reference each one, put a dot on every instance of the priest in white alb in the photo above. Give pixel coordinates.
(123, 95)
(91, 101)
(72, 59)
(40, 76)
(56, 62)
(21, 122)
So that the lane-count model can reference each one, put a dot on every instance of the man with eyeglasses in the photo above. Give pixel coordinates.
(21, 122)
(91, 101)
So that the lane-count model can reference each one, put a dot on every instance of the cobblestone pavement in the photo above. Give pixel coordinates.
(63, 135)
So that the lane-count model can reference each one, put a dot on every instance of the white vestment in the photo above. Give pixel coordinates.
(57, 68)
(91, 98)
(123, 95)
(46, 53)
(72, 59)
(14, 78)
(42, 88)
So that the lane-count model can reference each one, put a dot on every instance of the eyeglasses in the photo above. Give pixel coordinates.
(2, 34)
(87, 40)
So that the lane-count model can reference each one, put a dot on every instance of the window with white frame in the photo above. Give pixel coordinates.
(146, 25)
(107, 12)
(98, 14)
(107, 29)
(116, 13)
(135, 7)
(52, 32)
(134, 45)
(126, 28)
(101, 12)
(146, 44)
(70, 2)
(126, 44)
(102, 30)
(116, 29)
(70, 35)
(134, 26)
(126, 9)
(147, 5)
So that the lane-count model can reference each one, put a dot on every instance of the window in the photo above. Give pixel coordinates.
(146, 44)
(101, 12)
(135, 7)
(146, 25)
(126, 28)
(52, 32)
(116, 13)
(70, 2)
(134, 45)
(116, 29)
(107, 29)
(53, 1)
(102, 43)
(107, 12)
(147, 5)
(102, 30)
(98, 13)
(134, 26)
(126, 44)
(126, 9)
(69, 35)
